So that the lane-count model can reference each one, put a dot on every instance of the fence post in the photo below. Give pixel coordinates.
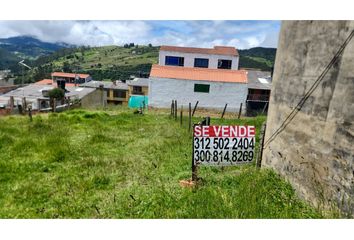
(54, 108)
(195, 108)
(175, 110)
(30, 112)
(172, 108)
(190, 117)
(223, 112)
(181, 115)
(260, 152)
(239, 112)
(12, 102)
(24, 105)
(205, 122)
(39, 105)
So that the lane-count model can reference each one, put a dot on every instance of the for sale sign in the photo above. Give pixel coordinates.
(223, 145)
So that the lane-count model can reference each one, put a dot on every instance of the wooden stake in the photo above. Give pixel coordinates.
(172, 108)
(181, 115)
(54, 108)
(223, 112)
(30, 112)
(190, 117)
(240, 111)
(195, 108)
(12, 103)
(175, 110)
(24, 105)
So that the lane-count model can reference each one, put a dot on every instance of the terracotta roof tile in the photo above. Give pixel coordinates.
(44, 82)
(70, 75)
(50, 82)
(199, 74)
(220, 50)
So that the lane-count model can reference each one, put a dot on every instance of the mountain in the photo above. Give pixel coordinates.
(7, 59)
(28, 47)
(259, 57)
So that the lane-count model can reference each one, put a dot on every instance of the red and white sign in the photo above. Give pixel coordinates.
(223, 145)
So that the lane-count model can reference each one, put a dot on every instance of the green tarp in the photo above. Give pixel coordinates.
(136, 101)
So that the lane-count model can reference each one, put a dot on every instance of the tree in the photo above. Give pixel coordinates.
(66, 67)
(56, 93)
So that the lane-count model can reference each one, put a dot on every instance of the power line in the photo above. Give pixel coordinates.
(298, 107)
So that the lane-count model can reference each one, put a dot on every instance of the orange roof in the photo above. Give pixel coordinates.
(50, 82)
(201, 74)
(70, 75)
(220, 50)
(44, 82)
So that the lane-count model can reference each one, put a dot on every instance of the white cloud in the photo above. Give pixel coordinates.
(240, 34)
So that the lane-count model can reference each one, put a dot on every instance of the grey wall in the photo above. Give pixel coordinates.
(94, 99)
(189, 59)
(163, 90)
(316, 151)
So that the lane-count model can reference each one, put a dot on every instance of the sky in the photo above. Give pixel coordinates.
(239, 34)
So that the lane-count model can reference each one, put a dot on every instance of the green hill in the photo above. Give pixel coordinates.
(116, 164)
(102, 63)
(7, 59)
(260, 58)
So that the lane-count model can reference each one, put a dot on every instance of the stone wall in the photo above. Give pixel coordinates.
(315, 152)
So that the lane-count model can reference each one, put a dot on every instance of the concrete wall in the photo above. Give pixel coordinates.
(163, 90)
(189, 59)
(315, 152)
(94, 99)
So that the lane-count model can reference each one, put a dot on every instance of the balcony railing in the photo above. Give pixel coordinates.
(258, 97)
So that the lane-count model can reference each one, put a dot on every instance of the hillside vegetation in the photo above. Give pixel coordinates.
(116, 164)
(259, 58)
(102, 63)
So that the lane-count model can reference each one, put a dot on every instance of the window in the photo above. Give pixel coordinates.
(204, 88)
(174, 61)
(224, 64)
(118, 94)
(201, 62)
(137, 90)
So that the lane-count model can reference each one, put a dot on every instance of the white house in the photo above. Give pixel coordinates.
(183, 74)
(211, 87)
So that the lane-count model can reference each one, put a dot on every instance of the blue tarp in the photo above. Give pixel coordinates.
(136, 101)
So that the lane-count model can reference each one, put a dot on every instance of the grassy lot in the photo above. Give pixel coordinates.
(114, 164)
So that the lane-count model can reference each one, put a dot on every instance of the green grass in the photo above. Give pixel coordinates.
(115, 164)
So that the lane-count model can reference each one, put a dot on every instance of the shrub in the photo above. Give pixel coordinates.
(56, 93)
